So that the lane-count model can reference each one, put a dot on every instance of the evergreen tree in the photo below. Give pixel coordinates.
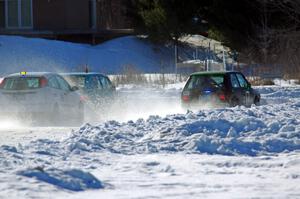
(168, 20)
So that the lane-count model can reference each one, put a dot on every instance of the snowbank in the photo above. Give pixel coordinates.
(227, 132)
(31, 54)
(260, 130)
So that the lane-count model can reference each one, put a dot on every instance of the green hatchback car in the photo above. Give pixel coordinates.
(228, 88)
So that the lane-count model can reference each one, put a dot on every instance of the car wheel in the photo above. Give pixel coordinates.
(256, 101)
(234, 102)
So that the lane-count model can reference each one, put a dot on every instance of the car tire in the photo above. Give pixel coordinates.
(234, 102)
(256, 101)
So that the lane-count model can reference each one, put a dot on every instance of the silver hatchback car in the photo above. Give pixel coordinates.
(40, 96)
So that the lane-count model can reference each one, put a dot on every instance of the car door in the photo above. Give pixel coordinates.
(67, 97)
(245, 89)
(237, 93)
(93, 88)
(57, 95)
(108, 88)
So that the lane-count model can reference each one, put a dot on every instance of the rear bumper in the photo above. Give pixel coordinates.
(196, 105)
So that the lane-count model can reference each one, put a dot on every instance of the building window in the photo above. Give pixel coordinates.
(93, 13)
(12, 13)
(18, 13)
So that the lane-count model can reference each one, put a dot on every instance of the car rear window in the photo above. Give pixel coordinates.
(84, 82)
(205, 81)
(75, 81)
(20, 83)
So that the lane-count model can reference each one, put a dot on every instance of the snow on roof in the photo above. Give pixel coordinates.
(201, 41)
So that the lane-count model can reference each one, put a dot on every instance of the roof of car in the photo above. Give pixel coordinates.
(81, 73)
(212, 72)
(31, 74)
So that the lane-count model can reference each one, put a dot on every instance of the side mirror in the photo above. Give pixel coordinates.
(74, 88)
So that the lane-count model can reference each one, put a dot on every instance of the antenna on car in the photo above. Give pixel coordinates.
(86, 69)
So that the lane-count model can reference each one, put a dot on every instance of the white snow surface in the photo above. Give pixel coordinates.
(213, 153)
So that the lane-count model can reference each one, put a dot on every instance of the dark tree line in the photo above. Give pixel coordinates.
(167, 20)
(264, 31)
(287, 36)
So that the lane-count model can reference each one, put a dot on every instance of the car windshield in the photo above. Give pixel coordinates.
(20, 83)
(84, 81)
(205, 81)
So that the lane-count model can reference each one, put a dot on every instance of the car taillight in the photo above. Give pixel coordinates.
(43, 82)
(185, 96)
(83, 98)
(1, 82)
(222, 97)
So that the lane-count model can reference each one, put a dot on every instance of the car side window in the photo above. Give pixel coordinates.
(190, 83)
(52, 82)
(105, 82)
(92, 82)
(63, 84)
(242, 80)
(234, 81)
(109, 84)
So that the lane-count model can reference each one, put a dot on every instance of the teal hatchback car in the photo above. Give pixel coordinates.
(94, 88)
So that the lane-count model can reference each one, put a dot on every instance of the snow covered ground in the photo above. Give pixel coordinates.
(213, 153)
